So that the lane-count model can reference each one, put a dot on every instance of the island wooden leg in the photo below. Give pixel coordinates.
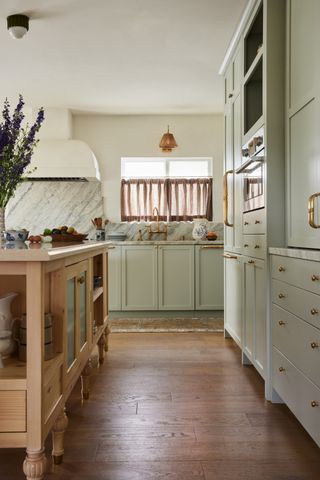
(58, 431)
(85, 380)
(101, 346)
(106, 344)
(35, 465)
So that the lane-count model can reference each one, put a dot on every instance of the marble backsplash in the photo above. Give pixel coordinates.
(39, 205)
(176, 230)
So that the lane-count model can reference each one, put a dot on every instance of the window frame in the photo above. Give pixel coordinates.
(166, 161)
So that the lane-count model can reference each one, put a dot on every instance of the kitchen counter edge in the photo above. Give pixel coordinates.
(296, 253)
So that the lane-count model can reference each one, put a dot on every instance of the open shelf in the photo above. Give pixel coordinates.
(97, 292)
(253, 40)
(253, 96)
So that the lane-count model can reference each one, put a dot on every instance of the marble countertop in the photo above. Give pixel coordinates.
(216, 243)
(42, 252)
(296, 253)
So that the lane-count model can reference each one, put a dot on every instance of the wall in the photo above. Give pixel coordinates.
(114, 136)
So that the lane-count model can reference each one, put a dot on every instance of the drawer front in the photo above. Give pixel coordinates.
(298, 341)
(304, 304)
(300, 273)
(301, 395)
(254, 246)
(13, 411)
(52, 392)
(254, 222)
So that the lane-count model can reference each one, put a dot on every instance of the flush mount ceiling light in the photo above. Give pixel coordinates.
(18, 25)
(168, 142)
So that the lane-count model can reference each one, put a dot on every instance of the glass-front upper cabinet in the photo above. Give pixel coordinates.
(77, 311)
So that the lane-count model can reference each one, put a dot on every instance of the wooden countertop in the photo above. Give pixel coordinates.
(43, 252)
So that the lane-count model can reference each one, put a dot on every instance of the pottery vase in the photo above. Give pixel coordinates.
(200, 229)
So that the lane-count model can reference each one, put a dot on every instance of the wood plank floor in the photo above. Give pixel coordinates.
(177, 407)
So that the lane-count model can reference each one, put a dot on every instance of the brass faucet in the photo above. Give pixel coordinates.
(158, 230)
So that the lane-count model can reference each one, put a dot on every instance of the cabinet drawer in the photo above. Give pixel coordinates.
(298, 341)
(13, 411)
(52, 392)
(304, 304)
(300, 273)
(299, 393)
(254, 222)
(254, 246)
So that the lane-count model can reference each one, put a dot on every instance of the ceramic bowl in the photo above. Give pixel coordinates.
(16, 235)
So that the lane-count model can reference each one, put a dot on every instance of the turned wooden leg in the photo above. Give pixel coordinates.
(58, 430)
(101, 346)
(106, 344)
(35, 465)
(85, 380)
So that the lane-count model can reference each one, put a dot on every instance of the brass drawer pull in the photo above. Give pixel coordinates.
(246, 223)
(257, 222)
(314, 345)
(251, 261)
(81, 280)
(281, 269)
(246, 245)
(314, 311)
(257, 246)
(314, 403)
(281, 295)
(281, 322)
(226, 255)
(281, 369)
(315, 278)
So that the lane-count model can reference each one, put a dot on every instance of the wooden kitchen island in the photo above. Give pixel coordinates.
(56, 279)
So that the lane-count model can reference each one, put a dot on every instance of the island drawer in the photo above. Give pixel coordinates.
(12, 411)
(52, 392)
(298, 341)
(299, 393)
(304, 304)
(300, 273)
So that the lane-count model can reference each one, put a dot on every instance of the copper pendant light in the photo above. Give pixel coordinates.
(168, 142)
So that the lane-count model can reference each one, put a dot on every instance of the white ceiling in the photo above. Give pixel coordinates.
(119, 56)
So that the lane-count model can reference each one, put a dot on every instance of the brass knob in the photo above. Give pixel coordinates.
(281, 369)
(246, 223)
(281, 295)
(314, 311)
(251, 261)
(281, 322)
(257, 222)
(257, 246)
(314, 403)
(314, 345)
(230, 95)
(315, 278)
(281, 269)
(246, 245)
(81, 280)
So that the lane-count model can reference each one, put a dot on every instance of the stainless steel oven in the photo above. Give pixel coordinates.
(252, 170)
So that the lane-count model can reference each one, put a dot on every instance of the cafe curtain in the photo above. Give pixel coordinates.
(177, 199)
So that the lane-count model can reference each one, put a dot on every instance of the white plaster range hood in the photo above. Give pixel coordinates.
(57, 156)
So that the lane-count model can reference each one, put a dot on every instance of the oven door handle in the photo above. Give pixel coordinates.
(226, 199)
(245, 167)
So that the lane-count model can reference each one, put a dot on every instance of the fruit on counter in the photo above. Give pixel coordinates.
(56, 231)
(70, 230)
(34, 238)
(212, 236)
(63, 229)
(47, 231)
(46, 239)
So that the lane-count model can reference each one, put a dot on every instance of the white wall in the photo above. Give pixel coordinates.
(114, 136)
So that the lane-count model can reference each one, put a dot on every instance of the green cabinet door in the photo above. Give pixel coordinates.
(176, 277)
(139, 277)
(209, 277)
(114, 278)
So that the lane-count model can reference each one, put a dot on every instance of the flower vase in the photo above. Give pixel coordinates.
(200, 230)
(2, 221)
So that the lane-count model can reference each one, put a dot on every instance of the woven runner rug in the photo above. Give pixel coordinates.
(165, 324)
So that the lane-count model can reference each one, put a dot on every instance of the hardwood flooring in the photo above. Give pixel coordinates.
(177, 407)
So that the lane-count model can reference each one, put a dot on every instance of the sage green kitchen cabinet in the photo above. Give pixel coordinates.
(209, 277)
(254, 314)
(233, 296)
(139, 277)
(114, 276)
(302, 123)
(176, 277)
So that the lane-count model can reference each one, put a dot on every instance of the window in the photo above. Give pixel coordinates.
(181, 188)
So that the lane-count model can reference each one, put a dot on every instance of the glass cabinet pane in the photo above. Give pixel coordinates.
(83, 308)
(71, 317)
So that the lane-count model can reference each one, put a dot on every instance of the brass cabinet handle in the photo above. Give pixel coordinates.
(281, 322)
(315, 278)
(281, 295)
(314, 311)
(257, 222)
(314, 345)
(251, 261)
(281, 369)
(257, 246)
(246, 245)
(226, 199)
(314, 403)
(230, 95)
(81, 280)
(246, 223)
(226, 255)
(311, 210)
(211, 247)
(281, 269)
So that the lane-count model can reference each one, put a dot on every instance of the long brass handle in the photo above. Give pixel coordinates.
(210, 247)
(311, 210)
(226, 199)
(230, 256)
